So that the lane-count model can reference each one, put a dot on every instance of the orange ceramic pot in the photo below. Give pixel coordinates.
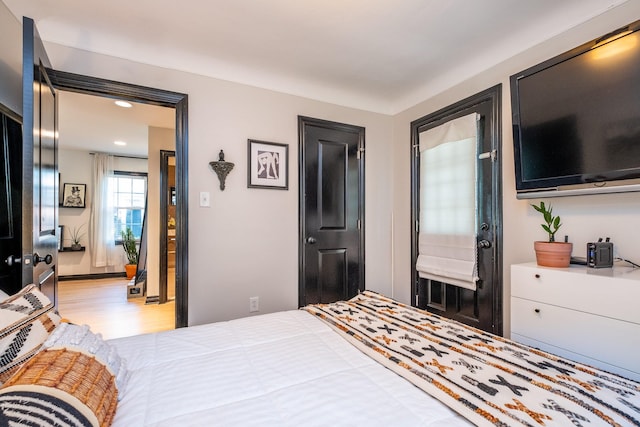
(131, 270)
(553, 254)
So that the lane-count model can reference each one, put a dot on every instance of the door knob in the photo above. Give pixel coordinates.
(12, 260)
(311, 240)
(37, 259)
(484, 244)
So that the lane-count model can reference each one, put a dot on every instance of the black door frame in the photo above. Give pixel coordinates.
(302, 123)
(165, 155)
(492, 94)
(62, 80)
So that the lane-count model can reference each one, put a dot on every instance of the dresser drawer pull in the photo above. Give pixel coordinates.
(537, 310)
(537, 276)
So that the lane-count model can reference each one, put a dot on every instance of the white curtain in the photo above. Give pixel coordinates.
(101, 238)
(447, 241)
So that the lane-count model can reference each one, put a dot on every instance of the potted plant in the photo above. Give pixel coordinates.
(551, 253)
(76, 235)
(131, 250)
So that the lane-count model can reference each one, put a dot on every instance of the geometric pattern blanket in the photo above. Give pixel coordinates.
(490, 380)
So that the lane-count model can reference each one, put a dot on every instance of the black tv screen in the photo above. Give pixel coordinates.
(576, 117)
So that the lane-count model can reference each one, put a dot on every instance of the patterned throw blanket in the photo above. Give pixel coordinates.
(490, 380)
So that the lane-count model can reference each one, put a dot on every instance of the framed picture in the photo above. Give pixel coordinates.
(73, 195)
(268, 165)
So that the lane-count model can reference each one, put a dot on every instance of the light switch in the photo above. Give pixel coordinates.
(205, 199)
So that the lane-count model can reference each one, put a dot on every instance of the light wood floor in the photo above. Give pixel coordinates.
(103, 305)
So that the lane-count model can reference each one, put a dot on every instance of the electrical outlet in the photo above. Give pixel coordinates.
(254, 304)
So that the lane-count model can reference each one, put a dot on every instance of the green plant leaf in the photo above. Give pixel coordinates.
(129, 245)
(552, 223)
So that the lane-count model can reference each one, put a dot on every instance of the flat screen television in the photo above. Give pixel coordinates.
(576, 119)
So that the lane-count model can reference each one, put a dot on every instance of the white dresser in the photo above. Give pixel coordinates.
(585, 314)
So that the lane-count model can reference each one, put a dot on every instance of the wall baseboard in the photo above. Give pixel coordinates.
(93, 276)
(153, 299)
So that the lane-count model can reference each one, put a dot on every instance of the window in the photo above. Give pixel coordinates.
(448, 188)
(129, 201)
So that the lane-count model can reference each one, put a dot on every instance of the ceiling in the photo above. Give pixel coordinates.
(378, 55)
(93, 123)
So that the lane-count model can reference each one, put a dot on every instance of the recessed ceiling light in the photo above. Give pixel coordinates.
(119, 142)
(124, 104)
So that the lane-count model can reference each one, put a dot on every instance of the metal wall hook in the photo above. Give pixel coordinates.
(221, 168)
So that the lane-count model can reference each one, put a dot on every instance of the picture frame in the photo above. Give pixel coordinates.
(268, 165)
(74, 195)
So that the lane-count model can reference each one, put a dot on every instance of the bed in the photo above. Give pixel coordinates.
(369, 361)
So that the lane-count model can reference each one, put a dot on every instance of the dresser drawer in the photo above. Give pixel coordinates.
(600, 338)
(579, 288)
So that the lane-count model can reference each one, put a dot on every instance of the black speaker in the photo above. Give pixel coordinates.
(600, 255)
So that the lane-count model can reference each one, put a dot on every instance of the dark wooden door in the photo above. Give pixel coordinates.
(10, 201)
(39, 167)
(331, 211)
(481, 308)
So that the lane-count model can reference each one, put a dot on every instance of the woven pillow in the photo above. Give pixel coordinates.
(60, 388)
(26, 320)
(80, 338)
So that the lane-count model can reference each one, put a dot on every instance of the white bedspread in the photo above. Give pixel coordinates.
(281, 369)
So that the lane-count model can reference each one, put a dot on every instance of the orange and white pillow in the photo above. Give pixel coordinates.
(60, 388)
(54, 373)
(81, 339)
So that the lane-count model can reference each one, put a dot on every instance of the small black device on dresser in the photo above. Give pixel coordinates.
(600, 254)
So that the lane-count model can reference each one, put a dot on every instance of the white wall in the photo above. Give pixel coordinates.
(75, 167)
(10, 60)
(584, 218)
(246, 243)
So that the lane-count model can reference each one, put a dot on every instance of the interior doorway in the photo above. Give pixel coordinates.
(91, 289)
(331, 216)
(457, 211)
(123, 91)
